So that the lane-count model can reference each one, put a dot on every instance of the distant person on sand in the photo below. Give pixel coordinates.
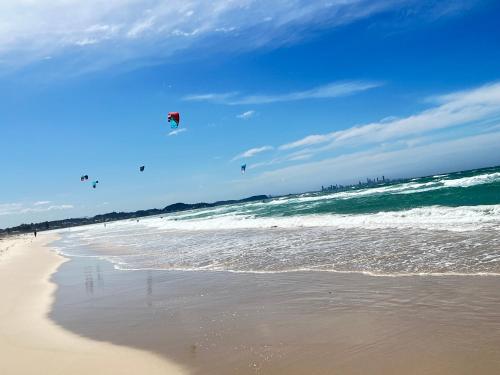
(34, 232)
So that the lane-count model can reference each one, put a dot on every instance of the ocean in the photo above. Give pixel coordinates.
(446, 224)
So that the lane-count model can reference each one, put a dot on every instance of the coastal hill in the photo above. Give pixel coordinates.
(113, 216)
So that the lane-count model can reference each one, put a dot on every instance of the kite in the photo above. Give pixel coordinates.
(174, 119)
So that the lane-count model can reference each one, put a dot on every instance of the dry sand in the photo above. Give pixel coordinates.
(30, 343)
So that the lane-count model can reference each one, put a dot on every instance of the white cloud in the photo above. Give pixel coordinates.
(331, 90)
(246, 115)
(194, 32)
(252, 152)
(262, 164)
(455, 109)
(47, 208)
(177, 131)
(211, 97)
(41, 203)
(300, 157)
(9, 208)
(140, 27)
(447, 155)
(86, 42)
(308, 141)
(476, 110)
(295, 156)
(151, 29)
(225, 29)
(21, 208)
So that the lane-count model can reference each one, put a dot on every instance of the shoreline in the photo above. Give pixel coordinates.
(304, 270)
(80, 314)
(294, 323)
(31, 343)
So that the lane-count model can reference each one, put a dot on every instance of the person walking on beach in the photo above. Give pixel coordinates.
(34, 232)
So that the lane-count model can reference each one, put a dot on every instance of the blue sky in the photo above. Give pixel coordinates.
(305, 93)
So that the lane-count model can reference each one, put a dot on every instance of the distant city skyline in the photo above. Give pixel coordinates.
(303, 93)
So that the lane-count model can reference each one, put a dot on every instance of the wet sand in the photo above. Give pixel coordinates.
(287, 323)
(30, 343)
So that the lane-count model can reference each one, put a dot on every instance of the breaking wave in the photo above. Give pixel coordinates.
(440, 225)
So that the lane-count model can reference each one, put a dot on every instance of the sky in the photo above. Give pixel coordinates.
(306, 93)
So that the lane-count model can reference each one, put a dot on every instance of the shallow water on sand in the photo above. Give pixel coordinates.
(288, 323)
(386, 251)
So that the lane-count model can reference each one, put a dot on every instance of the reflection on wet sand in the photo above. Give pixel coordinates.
(293, 323)
(89, 280)
(150, 287)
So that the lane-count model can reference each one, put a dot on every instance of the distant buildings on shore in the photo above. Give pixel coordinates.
(369, 182)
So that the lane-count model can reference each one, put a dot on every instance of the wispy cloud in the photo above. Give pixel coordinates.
(476, 110)
(444, 155)
(328, 91)
(41, 203)
(149, 30)
(211, 97)
(9, 208)
(280, 160)
(177, 131)
(48, 208)
(21, 208)
(252, 152)
(246, 115)
(452, 110)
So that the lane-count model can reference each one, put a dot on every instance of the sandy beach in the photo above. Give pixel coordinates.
(81, 315)
(30, 343)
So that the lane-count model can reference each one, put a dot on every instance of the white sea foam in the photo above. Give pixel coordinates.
(473, 180)
(401, 251)
(433, 218)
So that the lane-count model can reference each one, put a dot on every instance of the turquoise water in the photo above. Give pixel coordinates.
(468, 188)
(431, 225)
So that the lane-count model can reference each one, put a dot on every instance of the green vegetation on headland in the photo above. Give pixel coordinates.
(113, 216)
